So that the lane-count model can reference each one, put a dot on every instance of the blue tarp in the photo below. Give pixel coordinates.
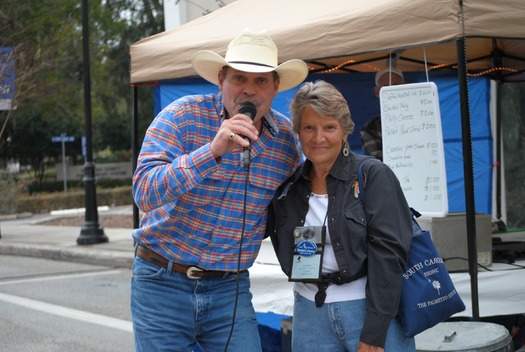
(358, 89)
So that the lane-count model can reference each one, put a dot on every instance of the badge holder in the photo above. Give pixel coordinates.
(308, 253)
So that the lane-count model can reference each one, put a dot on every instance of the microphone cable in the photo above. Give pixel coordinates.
(249, 109)
(247, 169)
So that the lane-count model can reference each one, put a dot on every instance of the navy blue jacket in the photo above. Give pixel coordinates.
(374, 243)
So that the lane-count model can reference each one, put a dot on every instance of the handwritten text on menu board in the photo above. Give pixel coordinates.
(413, 144)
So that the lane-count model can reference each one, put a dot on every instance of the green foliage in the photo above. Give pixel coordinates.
(46, 37)
(512, 102)
(73, 185)
(10, 191)
(109, 156)
(43, 203)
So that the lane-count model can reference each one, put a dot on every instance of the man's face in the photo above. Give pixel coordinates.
(238, 87)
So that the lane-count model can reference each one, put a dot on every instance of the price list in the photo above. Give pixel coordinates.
(413, 144)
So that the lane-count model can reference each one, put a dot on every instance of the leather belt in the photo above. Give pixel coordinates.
(191, 272)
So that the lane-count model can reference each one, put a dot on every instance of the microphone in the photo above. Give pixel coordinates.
(248, 109)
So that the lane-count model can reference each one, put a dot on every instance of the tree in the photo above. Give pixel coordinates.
(46, 37)
(123, 23)
(39, 42)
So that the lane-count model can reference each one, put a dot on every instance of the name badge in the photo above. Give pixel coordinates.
(308, 253)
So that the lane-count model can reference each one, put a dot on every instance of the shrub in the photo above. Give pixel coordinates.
(10, 191)
(46, 202)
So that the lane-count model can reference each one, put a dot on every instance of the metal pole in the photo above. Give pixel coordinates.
(64, 168)
(498, 164)
(468, 176)
(134, 146)
(91, 232)
(497, 61)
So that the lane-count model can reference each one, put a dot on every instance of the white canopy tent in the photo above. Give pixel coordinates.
(346, 35)
(474, 37)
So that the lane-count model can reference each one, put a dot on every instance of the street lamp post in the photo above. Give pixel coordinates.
(91, 232)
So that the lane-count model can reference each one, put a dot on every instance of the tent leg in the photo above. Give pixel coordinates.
(468, 176)
(134, 145)
(498, 163)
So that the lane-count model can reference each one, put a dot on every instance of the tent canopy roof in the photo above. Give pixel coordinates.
(343, 35)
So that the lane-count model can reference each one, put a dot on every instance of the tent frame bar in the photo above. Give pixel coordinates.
(497, 53)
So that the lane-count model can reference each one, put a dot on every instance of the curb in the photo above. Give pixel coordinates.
(84, 256)
(5, 217)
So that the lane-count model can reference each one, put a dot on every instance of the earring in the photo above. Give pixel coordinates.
(346, 148)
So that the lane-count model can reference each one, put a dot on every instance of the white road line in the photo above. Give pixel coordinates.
(68, 312)
(60, 277)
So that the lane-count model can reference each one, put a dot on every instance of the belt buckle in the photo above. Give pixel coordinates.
(191, 270)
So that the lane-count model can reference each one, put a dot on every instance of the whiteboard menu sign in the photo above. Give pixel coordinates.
(413, 144)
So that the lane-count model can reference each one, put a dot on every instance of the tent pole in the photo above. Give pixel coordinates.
(498, 163)
(468, 176)
(497, 61)
(134, 145)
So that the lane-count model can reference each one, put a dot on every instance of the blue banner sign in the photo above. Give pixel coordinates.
(7, 78)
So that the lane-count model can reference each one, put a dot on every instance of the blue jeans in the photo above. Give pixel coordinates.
(171, 312)
(337, 326)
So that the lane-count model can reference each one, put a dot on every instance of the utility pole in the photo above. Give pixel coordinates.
(63, 139)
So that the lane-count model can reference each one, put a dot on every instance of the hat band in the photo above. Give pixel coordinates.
(249, 63)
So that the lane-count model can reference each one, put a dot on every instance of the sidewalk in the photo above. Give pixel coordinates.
(24, 235)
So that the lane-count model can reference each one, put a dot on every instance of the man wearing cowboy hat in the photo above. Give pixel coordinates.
(204, 209)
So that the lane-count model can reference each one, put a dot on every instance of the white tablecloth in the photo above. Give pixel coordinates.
(501, 291)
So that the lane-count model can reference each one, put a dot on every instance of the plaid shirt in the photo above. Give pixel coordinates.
(193, 207)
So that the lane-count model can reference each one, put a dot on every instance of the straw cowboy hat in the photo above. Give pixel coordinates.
(250, 52)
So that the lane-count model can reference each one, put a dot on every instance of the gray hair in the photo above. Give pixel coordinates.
(325, 100)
